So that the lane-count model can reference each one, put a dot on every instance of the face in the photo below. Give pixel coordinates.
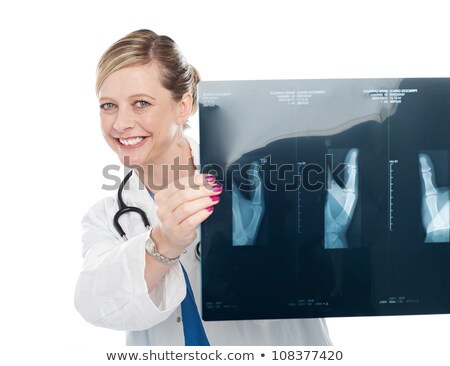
(139, 118)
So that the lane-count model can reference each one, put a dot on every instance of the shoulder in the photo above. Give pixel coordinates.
(100, 213)
(97, 224)
(102, 206)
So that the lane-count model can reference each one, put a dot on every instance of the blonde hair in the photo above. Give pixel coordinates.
(144, 46)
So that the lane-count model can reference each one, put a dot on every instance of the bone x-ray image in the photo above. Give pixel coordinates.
(336, 198)
(435, 200)
(248, 210)
(341, 202)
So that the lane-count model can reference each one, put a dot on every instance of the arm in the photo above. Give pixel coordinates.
(111, 290)
(181, 208)
(123, 287)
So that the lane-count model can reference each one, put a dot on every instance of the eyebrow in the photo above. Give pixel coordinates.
(140, 96)
(102, 99)
(134, 96)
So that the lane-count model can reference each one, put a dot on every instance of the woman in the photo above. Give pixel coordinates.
(146, 92)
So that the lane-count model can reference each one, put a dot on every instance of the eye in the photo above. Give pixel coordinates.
(141, 104)
(107, 106)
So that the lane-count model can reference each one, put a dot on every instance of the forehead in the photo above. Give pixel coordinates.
(137, 79)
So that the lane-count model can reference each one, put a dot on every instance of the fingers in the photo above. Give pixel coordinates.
(351, 186)
(184, 205)
(190, 208)
(184, 232)
(248, 213)
(329, 177)
(256, 193)
(187, 197)
(427, 174)
(239, 235)
(344, 199)
(193, 220)
(194, 182)
(430, 198)
(187, 189)
(351, 171)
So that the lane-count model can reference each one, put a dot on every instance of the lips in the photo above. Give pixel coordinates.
(131, 142)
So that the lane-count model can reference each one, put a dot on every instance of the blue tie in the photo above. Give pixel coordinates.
(194, 333)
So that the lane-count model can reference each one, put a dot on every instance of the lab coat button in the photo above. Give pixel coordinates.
(178, 319)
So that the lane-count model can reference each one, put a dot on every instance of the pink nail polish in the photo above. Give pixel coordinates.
(210, 178)
(214, 198)
(217, 188)
(210, 209)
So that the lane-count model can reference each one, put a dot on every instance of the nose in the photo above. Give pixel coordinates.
(124, 120)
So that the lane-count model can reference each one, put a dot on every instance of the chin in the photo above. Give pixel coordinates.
(132, 161)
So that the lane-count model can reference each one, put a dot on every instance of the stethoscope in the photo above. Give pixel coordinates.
(123, 209)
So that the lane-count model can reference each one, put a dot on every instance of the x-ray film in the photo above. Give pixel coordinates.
(336, 198)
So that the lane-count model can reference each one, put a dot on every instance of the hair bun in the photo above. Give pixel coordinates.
(195, 76)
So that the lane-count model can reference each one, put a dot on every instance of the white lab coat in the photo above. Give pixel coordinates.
(111, 291)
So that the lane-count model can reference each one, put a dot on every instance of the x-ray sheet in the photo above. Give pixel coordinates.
(336, 198)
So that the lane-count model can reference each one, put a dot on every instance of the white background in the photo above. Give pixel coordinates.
(52, 151)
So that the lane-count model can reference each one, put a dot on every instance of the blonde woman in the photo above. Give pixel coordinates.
(147, 282)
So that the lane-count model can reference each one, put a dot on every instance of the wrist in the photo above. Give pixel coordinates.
(163, 245)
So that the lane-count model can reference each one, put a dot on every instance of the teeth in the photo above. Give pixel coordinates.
(128, 142)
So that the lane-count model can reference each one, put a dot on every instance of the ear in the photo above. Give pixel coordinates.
(184, 108)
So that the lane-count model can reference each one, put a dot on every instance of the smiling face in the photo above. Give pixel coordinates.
(139, 118)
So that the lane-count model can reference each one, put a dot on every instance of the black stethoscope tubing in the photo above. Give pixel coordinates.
(123, 209)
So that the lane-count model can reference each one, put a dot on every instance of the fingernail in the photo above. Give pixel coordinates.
(217, 188)
(210, 209)
(210, 178)
(214, 198)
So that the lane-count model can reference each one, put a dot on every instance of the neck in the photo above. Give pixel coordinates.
(177, 163)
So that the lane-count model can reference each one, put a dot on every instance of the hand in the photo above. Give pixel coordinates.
(181, 207)
(248, 213)
(340, 203)
(435, 204)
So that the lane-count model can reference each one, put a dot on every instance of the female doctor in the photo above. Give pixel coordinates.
(142, 277)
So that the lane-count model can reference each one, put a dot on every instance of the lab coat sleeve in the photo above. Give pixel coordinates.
(111, 290)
